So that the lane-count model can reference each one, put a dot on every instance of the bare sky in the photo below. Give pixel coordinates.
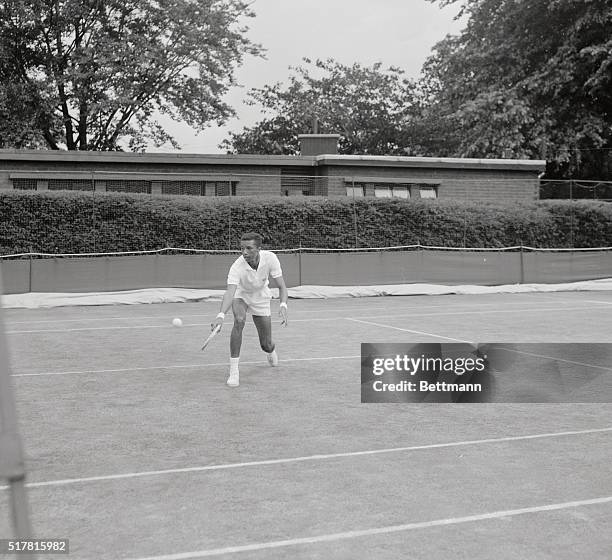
(395, 32)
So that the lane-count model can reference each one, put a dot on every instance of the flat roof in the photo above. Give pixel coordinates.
(153, 158)
(449, 163)
(271, 160)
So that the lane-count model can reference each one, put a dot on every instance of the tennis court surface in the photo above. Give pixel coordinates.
(136, 448)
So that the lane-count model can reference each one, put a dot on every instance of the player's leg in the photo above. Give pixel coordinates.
(264, 330)
(239, 309)
(263, 323)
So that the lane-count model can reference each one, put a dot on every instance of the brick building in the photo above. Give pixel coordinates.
(318, 171)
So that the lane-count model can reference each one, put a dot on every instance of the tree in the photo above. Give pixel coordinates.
(367, 106)
(524, 79)
(91, 74)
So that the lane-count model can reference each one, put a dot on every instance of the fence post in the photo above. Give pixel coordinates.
(229, 225)
(93, 209)
(30, 272)
(571, 213)
(299, 255)
(300, 266)
(420, 259)
(522, 280)
(354, 215)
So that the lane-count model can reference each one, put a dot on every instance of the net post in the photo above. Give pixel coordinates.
(12, 464)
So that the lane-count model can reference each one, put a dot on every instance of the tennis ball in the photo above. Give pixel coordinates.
(177, 322)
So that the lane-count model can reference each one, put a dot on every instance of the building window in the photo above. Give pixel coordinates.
(193, 188)
(296, 192)
(382, 192)
(298, 181)
(355, 191)
(379, 190)
(127, 185)
(24, 184)
(71, 184)
(428, 191)
(225, 188)
(400, 191)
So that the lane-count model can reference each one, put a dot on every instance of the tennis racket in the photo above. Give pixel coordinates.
(212, 335)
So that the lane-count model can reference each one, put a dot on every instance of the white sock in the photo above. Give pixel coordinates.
(273, 353)
(234, 364)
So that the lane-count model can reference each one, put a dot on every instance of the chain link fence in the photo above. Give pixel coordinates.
(572, 189)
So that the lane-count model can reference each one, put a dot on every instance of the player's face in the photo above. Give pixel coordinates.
(250, 251)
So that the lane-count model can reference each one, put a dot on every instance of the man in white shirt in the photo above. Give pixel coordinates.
(248, 292)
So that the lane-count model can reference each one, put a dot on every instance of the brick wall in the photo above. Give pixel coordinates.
(328, 180)
(5, 182)
(251, 180)
(456, 184)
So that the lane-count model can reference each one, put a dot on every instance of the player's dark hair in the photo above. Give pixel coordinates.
(252, 236)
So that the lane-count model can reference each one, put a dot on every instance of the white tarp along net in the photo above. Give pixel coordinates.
(179, 295)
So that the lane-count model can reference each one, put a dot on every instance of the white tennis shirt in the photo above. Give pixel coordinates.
(254, 283)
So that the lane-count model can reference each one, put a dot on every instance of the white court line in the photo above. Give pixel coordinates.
(186, 366)
(597, 301)
(538, 295)
(475, 312)
(551, 358)
(319, 319)
(63, 482)
(167, 325)
(408, 330)
(109, 328)
(378, 530)
(168, 317)
(183, 316)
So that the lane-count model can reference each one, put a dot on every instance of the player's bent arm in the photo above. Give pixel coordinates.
(226, 303)
(228, 296)
(282, 289)
(283, 300)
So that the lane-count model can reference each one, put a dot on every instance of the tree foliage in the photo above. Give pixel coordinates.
(92, 74)
(367, 106)
(523, 79)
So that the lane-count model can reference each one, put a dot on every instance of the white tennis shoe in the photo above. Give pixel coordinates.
(234, 379)
(273, 358)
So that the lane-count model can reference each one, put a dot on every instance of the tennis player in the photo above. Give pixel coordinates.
(248, 292)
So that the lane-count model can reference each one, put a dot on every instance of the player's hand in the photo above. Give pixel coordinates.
(282, 313)
(217, 321)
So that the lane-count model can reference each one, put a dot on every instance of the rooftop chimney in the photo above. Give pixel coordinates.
(318, 144)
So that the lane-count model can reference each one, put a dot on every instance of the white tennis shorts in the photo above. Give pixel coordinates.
(256, 305)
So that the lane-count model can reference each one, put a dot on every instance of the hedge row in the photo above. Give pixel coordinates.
(77, 222)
